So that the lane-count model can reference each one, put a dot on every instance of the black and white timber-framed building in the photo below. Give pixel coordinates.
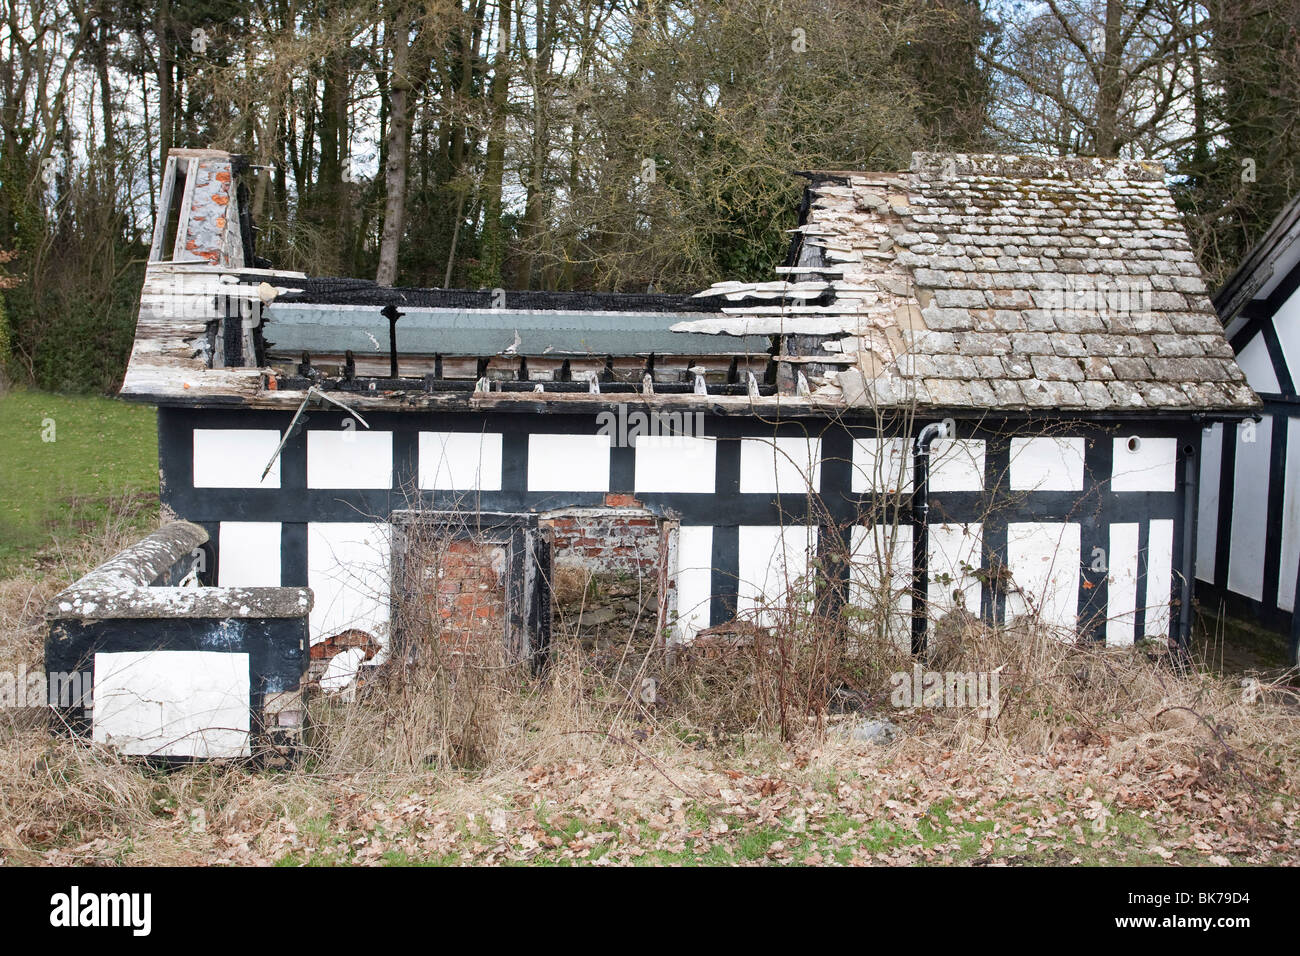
(983, 382)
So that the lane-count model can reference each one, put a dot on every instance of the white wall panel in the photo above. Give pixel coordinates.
(568, 462)
(1258, 366)
(1207, 519)
(460, 461)
(880, 578)
(172, 703)
(235, 457)
(1144, 464)
(1160, 577)
(1290, 519)
(348, 570)
(349, 458)
(248, 554)
(694, 579)
(1250, 509)
(782, 465)
(1043, 558)
(1121, 586)
(1287, 322)
(956, 464)
(675, 463)
(1047, 464)
(954, 554)
(773, 560)
(882, 473)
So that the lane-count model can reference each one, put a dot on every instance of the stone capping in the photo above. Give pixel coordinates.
(121, 587)
(960, 165)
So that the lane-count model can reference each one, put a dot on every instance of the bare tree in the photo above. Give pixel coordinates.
(1099, 77)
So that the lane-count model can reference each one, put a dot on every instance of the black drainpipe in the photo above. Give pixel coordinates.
(921, 530)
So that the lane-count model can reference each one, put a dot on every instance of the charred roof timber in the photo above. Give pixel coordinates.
(1021, 285)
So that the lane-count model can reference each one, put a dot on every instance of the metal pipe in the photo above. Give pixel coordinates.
(921, 532)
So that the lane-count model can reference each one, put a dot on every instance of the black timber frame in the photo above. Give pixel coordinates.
(726, 509)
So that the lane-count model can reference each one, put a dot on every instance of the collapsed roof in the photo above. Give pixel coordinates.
(969, 284)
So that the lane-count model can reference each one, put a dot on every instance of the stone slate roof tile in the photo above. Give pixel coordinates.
(1039, 282)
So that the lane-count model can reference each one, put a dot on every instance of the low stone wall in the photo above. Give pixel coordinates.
(176, 672)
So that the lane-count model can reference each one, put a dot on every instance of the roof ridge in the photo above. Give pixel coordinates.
(1020, 166)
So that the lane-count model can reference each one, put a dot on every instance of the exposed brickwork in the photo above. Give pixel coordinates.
(463, 590)
(617, 540)
(278, 742)
(322, 652)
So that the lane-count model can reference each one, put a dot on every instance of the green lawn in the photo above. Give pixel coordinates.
(69, 463)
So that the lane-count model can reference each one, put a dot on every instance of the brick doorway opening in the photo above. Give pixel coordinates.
(466, 582)
(612, 580)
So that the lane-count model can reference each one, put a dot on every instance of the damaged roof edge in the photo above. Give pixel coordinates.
(951, 286)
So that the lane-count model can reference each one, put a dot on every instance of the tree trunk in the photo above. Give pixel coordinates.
(1110, 91)
(166, 108)
(396, 148)
(106, 98)
(541, 80)
(492, 254)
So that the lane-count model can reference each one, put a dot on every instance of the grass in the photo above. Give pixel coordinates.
(68, 462)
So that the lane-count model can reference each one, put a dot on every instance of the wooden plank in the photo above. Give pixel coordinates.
(164, 205)
(187, 198)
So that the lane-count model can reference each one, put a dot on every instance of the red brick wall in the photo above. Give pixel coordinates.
(468, 595)
(621, 538)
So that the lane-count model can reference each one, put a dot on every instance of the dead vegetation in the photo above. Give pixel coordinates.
(453, 754)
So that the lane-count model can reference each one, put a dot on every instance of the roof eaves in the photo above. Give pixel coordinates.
(1256, 269)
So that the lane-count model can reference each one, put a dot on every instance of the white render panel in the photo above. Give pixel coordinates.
(568, 462)
(1121, 584)
(235, 457)
(172, 703)
(954, 553)
(460, 461)
(675, 463)
(248, 554)
(1207, 519)
(1047, 464)
(874, 472)
(1287, 323)
(1160, 577)
(881, 574)
(347, 569)
(694, 579)
(773, 559)
(787, 464)
(349, 458)
(1150, 466)
(1249, 531)
(1043, 558)
(1258, 365)
(1290, 519)
(956, 464)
